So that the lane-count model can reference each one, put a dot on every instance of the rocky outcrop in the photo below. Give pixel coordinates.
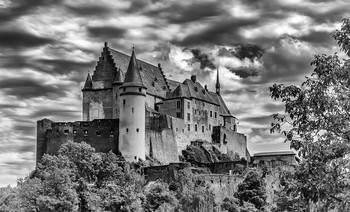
(201, 155)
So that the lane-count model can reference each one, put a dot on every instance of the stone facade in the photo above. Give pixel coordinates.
(130, 108)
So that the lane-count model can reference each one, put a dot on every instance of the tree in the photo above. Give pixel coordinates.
(316, 122)
(158, 196)
(252, 190)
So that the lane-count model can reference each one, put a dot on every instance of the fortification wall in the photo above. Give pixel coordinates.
(98, 104)
(231, 142)
(161, 145)
(221, 184)
(100, 134)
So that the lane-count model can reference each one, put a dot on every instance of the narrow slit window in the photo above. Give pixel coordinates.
(132, 110)
(127, 130)
(137, 130)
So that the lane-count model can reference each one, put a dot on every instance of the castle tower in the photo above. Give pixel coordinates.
(217, 86)
(132, 114)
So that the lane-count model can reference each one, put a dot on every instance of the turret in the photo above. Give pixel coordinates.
(117, 82)
(132, 114)
(217, 86)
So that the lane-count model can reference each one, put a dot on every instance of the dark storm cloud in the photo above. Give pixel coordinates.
(318, 38)
(106, 32)
(52, 66)
(28, 88)
(242, 51)
(16, 9)
(202, 58)
(246, 72)
(61, 66)
(89, 10)
(20, 39)
(224, 31)
(180, 13)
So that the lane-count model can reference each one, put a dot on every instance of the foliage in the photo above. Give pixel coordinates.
(159, 197)
(230, 205)
(252, 190)
(316, 122)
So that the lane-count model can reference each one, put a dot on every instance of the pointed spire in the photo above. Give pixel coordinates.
(133, 76)
(119, 76)
(88, 83)
(217, 86)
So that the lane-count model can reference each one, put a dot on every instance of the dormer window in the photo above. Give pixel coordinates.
(196, 89)
(155, 79)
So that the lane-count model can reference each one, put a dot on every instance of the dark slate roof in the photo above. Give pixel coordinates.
(172, 84)
(151, 75)
(133, 76)
(88, 83)
(224, 111)
(119, 76)
(262, 154)
(191, 89)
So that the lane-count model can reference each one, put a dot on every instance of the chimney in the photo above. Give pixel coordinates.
(194, 78)
(159, 66)
(206, 87)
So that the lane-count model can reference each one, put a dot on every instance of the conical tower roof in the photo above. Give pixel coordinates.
(88, 83)
(133, 75)
(119, 76)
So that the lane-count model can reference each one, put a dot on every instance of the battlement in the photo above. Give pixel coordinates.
(102, 134)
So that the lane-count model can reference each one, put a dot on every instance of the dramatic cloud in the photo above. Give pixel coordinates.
(21, 39)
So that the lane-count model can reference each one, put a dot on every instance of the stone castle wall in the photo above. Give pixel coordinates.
(100, 134)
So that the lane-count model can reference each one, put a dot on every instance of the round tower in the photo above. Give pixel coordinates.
(132, 114)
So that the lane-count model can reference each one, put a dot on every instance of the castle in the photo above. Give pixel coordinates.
(132, 109)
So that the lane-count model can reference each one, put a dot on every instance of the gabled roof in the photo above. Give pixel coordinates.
(224, 111)
(151, 75)
(191, 89)
(133, 76)
(88, 83)
(261, 154)
(172, 84)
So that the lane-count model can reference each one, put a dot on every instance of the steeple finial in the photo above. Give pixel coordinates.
(217, 86)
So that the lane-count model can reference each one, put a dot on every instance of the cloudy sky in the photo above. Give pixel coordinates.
(47, 47)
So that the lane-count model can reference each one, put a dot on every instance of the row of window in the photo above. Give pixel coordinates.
(86, 132)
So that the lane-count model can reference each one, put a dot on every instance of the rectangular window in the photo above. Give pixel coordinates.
(98, 133)
(178, 115)
(188, 105)
(211, 113)
(195, 127)
(66, 131)
(215, 114)
(188, 127)
(202, 128)
(188, 116)
(209, 126)
(178, 104)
